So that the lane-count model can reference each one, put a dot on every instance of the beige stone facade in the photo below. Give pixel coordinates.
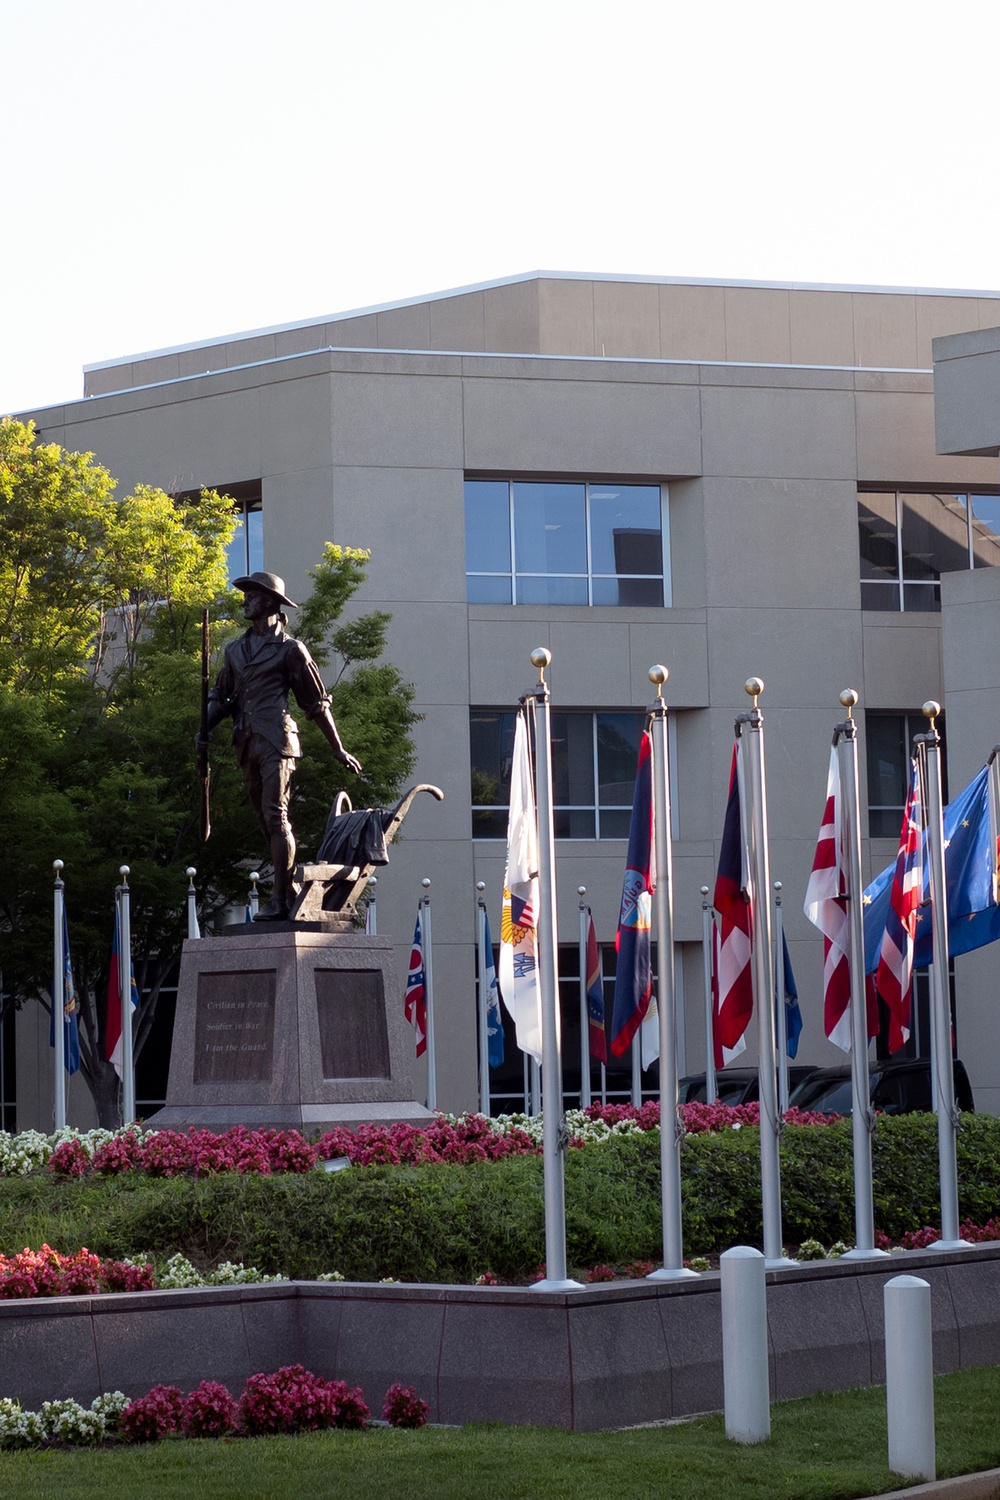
(759, 409)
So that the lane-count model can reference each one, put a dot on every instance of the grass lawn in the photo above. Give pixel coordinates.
(829, 1447)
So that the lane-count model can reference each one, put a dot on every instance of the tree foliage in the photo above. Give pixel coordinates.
(100, 631)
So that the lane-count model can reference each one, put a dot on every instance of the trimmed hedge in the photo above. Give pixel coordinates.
(446, 1224)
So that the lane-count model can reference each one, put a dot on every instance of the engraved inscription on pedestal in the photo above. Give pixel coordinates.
(353, 1036)
(234, 1027)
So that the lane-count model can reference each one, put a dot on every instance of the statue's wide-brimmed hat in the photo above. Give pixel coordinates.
(267, 583)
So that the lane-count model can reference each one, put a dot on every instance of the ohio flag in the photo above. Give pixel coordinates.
(415, 999)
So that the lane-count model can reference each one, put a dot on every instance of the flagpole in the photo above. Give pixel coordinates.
(711, 1082)
(753, 810)
(482, 1003)
(371, 910)
(671, 1128)
(554, 1138)
(581, 891)
(928, 748)
(862, 1114)
(125, 991)
(425, 943)
(253, 902)
(781, 1015)
(59, 996)
(194, 930)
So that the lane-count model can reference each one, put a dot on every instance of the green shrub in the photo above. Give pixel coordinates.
(448, 1224)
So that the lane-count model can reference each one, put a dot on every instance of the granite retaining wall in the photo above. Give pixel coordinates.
(607, 1356)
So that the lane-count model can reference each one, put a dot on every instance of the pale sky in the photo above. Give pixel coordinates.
(177, 172)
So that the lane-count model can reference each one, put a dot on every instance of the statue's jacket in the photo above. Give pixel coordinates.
(253, 686)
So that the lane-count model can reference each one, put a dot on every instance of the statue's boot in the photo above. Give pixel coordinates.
(283, 859)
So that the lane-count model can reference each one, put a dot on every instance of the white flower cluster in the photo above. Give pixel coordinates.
(29, 1150)
(577, 1123)
(60, 1421)
(179, 1273)
(331, 1276)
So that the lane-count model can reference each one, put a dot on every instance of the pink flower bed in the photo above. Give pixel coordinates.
(700, 1119)
(290, 1400)
(46, 1273)
(472, 1138)
(458, 1143)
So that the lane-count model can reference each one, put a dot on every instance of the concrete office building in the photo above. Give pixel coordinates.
(626, 470)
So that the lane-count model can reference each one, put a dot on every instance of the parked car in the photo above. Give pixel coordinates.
(898, 1087)
(735, 1085)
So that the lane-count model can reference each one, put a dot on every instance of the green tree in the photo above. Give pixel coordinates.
(96, 731)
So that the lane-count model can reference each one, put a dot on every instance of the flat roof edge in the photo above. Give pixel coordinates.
(482, 286)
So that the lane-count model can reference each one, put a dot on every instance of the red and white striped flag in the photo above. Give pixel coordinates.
(826, 907)
(895, 963)
(722, 1056)
(732, 902)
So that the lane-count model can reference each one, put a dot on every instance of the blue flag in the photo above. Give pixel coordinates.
(793, 1016)
(633, 975)
(494, 1020)
(973, 917)
(71, 1025)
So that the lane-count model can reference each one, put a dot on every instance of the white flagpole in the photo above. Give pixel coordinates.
(554, 1124)
(125, 990)
(671, 1129)
(711, 1082)
(637, 1070)
(194, 931)
(425, 939)
(929, 758)
(371, 910)
(781, 1014)
(528, 1101)
(483, 1002)
(753, 809)
(59, 996)
(581, 891)
(254, 901)
(862, 1115)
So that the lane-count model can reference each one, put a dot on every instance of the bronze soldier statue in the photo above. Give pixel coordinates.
(253, 685)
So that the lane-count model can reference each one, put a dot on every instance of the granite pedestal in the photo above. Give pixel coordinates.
(289, 1028)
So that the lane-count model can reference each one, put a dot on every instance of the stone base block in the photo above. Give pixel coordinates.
(289, 1029)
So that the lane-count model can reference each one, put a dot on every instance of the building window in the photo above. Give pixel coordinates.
(245, 553)
(594, 757)
(535, 542)
(908, 540)
(889, 747)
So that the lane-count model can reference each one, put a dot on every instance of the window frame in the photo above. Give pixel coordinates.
(900, 582)
(513, 573)
(596, 806)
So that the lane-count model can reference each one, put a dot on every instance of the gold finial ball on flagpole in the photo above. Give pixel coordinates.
(930, 710)
(124, 871)
(658, 675)
(753, 687)
(541, 658)
(190, 872)
(57, 865)
(848, 700)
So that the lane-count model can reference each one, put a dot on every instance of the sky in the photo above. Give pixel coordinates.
(174, 173)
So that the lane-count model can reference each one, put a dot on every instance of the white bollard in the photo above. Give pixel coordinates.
(744, 1346)
(909, 1377)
